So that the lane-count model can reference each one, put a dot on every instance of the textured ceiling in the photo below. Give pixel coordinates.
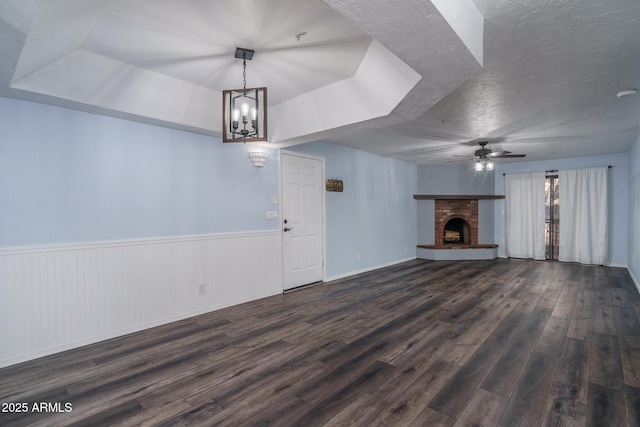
(416, 80)
(548, 87)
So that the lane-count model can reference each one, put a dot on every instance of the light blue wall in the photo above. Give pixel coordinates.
(634, 211)
(618, 191)
(460, 179)
(73, 177)
(68, 176)
(375, 216)
(440, 180)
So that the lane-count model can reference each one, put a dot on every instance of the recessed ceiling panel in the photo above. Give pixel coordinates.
(195, 41)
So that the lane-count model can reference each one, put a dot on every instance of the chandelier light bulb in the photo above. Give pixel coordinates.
(245, 109)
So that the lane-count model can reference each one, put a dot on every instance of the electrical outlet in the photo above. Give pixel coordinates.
(358, 257)
(501, 242)
(274, 199)
(202, 289)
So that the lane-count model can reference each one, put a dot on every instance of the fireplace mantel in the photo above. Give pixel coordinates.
(456, 197)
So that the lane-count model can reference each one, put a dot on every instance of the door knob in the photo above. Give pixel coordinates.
(287, 229)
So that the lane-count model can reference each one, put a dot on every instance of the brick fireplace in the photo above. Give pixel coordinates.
(456, 226)
(459, 216)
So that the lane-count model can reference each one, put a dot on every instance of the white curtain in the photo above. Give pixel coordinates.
(524, 199)
(583, 215)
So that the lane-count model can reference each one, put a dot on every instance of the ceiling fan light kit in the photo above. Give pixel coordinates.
(484, 155)
(484, 164)
(244, 111)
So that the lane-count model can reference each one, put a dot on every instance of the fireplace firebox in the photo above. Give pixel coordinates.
(456, 222)
(457, 231)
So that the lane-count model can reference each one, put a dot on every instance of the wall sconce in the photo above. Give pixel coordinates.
(258, 159)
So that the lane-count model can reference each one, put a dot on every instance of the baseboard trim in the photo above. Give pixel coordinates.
(635, 280)
(570, 262)
(367, 269)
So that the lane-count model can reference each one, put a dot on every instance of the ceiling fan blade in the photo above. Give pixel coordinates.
(498, 153)
(506, 156)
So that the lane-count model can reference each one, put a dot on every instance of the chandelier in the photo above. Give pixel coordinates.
(244, 111)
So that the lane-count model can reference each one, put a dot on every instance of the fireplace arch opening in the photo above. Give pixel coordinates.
(457, 231)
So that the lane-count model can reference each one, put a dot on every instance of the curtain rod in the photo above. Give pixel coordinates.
(556, 170)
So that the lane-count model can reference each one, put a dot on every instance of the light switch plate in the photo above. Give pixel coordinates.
(272, 214)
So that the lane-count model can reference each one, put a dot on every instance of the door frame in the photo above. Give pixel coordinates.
(282, 152)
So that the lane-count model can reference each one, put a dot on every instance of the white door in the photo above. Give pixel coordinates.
(302, 220)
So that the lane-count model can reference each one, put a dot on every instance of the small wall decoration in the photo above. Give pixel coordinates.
(335, 185)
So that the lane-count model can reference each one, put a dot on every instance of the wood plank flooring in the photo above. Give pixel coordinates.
(426, 343)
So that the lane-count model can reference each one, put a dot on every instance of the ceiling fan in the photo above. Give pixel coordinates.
(484, 155)
(485, 152)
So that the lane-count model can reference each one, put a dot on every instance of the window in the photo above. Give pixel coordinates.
(551, 217)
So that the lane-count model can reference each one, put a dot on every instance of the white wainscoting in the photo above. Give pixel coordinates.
(57, 298)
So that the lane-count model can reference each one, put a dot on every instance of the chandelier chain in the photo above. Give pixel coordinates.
(244, 74)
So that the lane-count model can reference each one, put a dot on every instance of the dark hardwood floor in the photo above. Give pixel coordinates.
(471, 343)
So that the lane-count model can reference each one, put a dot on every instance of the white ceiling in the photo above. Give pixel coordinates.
(417, 80)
